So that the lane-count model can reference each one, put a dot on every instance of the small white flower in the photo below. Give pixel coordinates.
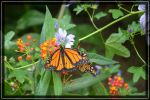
(63, 39)
(69, 41)
(141, 7)
(143, 21)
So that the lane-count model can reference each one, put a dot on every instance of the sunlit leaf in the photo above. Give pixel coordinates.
(48, 27)
(100, 15)
(78, 9)
(19, 74)
(116, 13)
(114, 45)
(134, 27)
(99, 59)
(43, 84)
(47, 33)
(8, 37)
(137, 72)
(57, 83)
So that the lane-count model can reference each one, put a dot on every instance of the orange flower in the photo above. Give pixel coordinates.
(28, 44)
(28, 57)
(19, 41)
(126, 86)
(21, 49)
(29, 37)
(48, 47)
(19, 58)
(115, 83)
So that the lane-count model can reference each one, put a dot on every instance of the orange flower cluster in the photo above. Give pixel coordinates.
(115, 83)
(21, 45)
(48, 47)
(24, 47)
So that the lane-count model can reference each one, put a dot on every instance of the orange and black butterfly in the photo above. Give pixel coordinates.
(69, 59)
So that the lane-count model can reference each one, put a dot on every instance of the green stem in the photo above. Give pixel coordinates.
(61, 13)
(9, 67)
(124, 9)
(132, 42)
(108, 25)
(132, 8)
(27, 65)
(91, 18)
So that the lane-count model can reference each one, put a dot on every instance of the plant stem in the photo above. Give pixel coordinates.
(124, 9)
(108, 25)
(91, 18)
(27, 65)
(10, 67)
(132, 42)
(132, 7)
(61, 13)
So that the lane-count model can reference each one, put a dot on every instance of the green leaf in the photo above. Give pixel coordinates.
(86, 81)
(114, 69)
(99, 89)
(123, 92)
(47, 33)
(44, 83)
(100, 15)
(19, 74)
(98, 59)
(78, 9)
(12, 60)
(116, 13)
(22, 63)
(57, 84)
(139, 94)
(8, 90)
(8, 43)
(86, 6)
(29, 19)
(135, 27)
(114, 45)
(94, 6)
(65, 22)
(137, 73)
(48, 27)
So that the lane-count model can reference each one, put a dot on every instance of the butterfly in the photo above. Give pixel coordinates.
(69, 59)
(87, 67)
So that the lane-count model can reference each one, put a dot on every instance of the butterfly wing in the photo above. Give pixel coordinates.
(87, 68)
(64, 59)
(55, 61)
(73, 57)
